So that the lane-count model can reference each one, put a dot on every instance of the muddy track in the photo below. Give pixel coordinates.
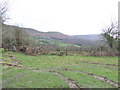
(71, 83)
(100, 63)
(13, 59)
(103, 79)
(18, 66)
(113, 68)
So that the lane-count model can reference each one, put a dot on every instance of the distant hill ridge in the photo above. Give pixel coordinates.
(74, 39)
(92, 37)
(48, 35)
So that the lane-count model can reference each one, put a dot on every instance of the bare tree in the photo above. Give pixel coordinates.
(3, 10)
(3, 18)
(20, 38)
(110, 34)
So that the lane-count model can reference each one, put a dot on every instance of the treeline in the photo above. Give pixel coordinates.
(16, 39)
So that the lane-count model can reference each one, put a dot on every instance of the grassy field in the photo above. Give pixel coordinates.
(56, 43)
(51, 71)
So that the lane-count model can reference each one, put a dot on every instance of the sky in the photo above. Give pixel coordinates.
(72, 17)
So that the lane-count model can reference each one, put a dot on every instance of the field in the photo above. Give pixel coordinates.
(52, 71)
(56, 43)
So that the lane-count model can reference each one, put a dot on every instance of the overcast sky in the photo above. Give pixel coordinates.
(72, 17)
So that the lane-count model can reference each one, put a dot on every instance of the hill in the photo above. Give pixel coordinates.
(57, 37)
(47, 35)
(91, 37)
(75, 39)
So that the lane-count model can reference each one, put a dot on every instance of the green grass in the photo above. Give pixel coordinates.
(96, 70)
(56, 43)
(32, 79)
(53, 60)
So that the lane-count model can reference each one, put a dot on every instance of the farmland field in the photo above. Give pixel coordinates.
(56, 43)
(52, 71)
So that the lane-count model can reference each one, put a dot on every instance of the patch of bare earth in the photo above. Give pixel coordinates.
(3, 60)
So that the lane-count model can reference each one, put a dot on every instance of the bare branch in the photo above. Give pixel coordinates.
(110, 34)
(3, 10)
